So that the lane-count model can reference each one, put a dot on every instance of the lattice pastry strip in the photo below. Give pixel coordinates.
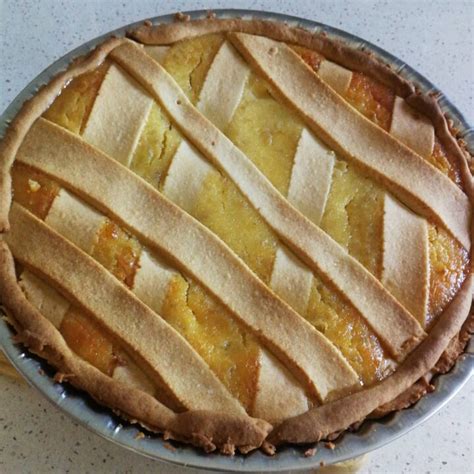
(190, 381)
(312, 173)
(417, 132)
(183, 189)
(117, 120)
(55, 308)
(150, 279)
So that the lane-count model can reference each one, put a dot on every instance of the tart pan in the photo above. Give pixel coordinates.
(371, 435)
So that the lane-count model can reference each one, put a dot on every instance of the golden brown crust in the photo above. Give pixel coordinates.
(406, 399)
(405, 261)
(291, 280)
(227, 68)
(74, 220)
(109, 107)
(186, 176)
(414, 130)
(445, 363)
(201, 428)
(312, 172)
(429, 106)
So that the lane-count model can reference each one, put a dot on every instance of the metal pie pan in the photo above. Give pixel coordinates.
(371, 435)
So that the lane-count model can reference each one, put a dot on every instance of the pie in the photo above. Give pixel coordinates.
(237, 233)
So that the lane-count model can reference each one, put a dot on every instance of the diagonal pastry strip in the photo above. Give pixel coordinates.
(164, 226)
(308, 189)
(320, 422)
(291, 280)
(197, 427)
(337, 77)
(309, 184)
(80, 224)
(117, 120)
(167, 355)
(54, 307)
(185, 177)
(278, 396)
(152, 280)
(74, 220)
(405, 267)
(45, 298)
(399, 331)
(226, 80)
(311, 177)
(356, 138)
(414, 130)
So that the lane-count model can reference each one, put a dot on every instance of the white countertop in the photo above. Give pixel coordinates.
(435, 37)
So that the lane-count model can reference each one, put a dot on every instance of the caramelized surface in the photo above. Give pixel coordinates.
(367, 95)
(439, 159)
(117, 251)
(33, 189)
(223, 209)
(449, 266)
(309, 56)
(87, 340)
(354, 215)
(372, 99)
(375, 100)
(72, 107)
(348, 331)
(449, 262)
(268, 133)
(210, 329)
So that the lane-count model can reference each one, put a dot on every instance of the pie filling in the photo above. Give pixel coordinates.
(269, 133)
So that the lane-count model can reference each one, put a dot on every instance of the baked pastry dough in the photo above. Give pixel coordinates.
(236, 233)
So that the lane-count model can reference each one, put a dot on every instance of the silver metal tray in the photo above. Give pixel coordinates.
(371, 435)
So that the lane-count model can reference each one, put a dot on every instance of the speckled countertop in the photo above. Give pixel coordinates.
(435, 37)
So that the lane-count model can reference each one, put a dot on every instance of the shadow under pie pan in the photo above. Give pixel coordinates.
(370, 435)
